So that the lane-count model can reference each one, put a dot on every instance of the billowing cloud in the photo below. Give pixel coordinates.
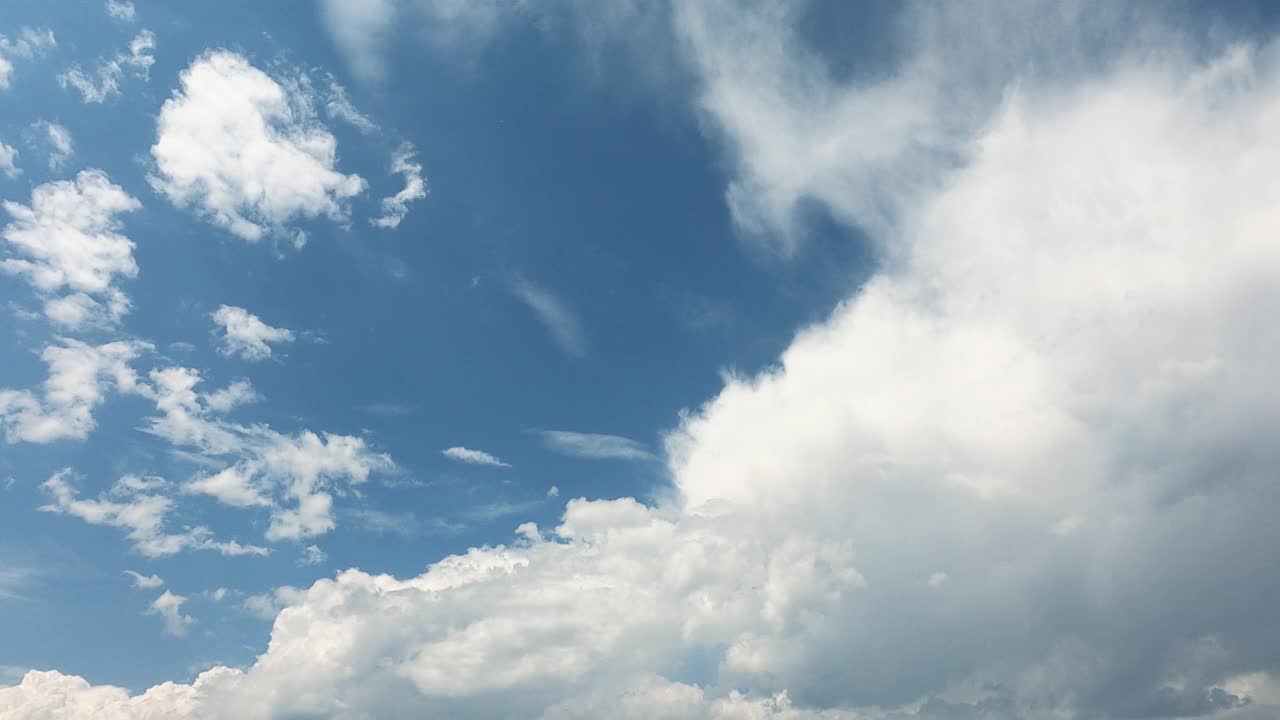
(474, 457)
(29, 44)
(395, 207)
(246, 152)
(594, 446)
(245, 335)
(67, 244)
(105, 81)
(80, 376)
(1026, 471)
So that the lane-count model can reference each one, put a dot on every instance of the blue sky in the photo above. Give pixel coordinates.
(731, 359)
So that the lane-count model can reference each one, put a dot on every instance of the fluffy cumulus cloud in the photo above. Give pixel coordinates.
(395, 207)
(80, 376)
(104, 81)
(245, 335)
(1027, 471)
(247, 153)
(67, 244)
(29, 44)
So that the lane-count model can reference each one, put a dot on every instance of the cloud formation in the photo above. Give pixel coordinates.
(245, 335)
(473, 457)
(110, 71)
(594, 446)
(80, 375)
(29, 44)
(246, 152)
(395, 207)
(558, 318)
(67, 244)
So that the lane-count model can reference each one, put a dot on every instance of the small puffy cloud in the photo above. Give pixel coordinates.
(395, 207)
(105, 81)
(29, 44)
(246, 153)
(139, 511)
(474, 457)
(144, 582)
(80, 376)
(68, 241)
(121, 10)
(594, 446)
(553, 491)
(169, 607)
(245, 335)
(239, 392)
(235, 486)
(312, 555)
(554, 314)
(9, 161)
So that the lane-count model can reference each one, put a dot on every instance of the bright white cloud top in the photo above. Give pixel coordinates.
(245, 335)
(1026, 470)
(247, 153)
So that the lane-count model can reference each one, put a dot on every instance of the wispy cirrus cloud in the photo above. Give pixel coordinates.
(553, 313)
(473, 457)
(594, 446)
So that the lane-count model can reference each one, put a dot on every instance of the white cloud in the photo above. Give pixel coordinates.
(291, 475)
(145, 582)
(553, 491)
(79, 377)
(247, 153)
(245, 335)
(8, 161)
(239, 392)
(141, 512)
(68, 241)
(30, 44)
(554, 314)
(1076, 320)
(395, 207)
(474, 457)
(62, 147)
(312, 555)
(121, 10)
(169, 607)
(339, 107)
(594, 446)
(360, 29)
(110, 71)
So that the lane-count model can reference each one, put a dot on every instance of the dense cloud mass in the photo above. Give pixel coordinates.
(1027, 471)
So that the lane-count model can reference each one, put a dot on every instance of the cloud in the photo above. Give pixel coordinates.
(239, 392)
(145, 582)
(473, 457)
(594, 446)
(339, 107)
(8, 161)
(68, 241)
(1074, 319)
(30, 44)
(79, 377)
(553, 491)
(395, 207)
(110, 71)
(245, 335)
(360, 29)
(246, 152)
(139, 510)
(121, 10)
(59, 140)
(554, 314)
(312, 555)
(169, 607)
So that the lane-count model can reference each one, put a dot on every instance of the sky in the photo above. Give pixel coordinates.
(735, 360)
